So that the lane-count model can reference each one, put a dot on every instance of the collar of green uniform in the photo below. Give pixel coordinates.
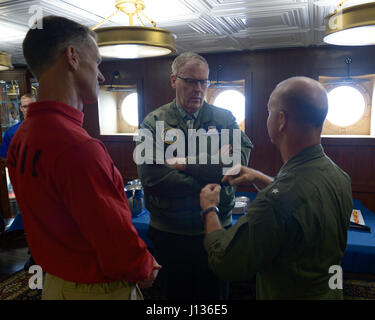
(204, 114)
(184, 113)
(310, 153)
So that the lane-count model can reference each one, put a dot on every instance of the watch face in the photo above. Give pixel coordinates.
(210, 209)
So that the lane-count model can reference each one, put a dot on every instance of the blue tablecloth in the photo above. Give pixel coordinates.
(359, 256)
(141, 223)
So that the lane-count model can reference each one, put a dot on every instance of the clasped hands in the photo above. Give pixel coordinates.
(180, 163)
(210, 194)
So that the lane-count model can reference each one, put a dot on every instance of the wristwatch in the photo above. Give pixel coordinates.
(209, 209)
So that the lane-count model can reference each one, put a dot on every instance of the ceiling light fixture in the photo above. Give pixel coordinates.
(133, 42)
(351, 26)
(5, 61)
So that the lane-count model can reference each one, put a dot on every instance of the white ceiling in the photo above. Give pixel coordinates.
(200, 25)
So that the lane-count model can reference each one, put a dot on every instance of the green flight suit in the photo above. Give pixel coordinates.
(172, 196)
(295, 229)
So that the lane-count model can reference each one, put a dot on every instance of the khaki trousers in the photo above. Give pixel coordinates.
(55, 288)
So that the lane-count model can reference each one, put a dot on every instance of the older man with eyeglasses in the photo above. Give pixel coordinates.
(172, 188)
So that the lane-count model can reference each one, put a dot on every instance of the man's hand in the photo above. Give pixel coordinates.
(210, 196)
(244, 175)
(177, 163)
(150, 280)
(226, 149)
(239, 175)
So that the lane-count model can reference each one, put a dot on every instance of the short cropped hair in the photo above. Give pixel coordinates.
(309, 106)
(28, 95)
(41, 47)
(185, 57)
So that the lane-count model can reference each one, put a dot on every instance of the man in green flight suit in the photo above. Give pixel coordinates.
(172, 187)
(296, 228)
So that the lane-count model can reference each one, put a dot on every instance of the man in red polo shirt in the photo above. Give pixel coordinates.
(76, 216)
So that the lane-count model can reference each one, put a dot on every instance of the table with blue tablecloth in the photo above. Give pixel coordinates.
(359, 255)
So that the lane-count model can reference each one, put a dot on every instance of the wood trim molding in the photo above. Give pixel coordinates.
(363, 188)
(348, 141)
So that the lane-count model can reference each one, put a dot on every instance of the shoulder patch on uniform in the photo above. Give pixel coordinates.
(170, 135)
(283, 192)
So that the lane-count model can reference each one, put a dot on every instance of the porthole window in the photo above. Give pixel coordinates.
(346, 106)
(350, 106)
(233, 101)
(129, 109)
(118, 109)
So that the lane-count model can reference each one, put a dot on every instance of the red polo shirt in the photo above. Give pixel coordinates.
(75, 212)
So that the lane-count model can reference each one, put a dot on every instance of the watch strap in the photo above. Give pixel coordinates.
(209, 209)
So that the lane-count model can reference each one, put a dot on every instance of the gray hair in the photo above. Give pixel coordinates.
(185, 57)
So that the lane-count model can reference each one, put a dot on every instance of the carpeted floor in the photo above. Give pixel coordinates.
(16, 287)
(359, 290)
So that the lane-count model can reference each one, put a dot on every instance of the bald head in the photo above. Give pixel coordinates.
(304, 99)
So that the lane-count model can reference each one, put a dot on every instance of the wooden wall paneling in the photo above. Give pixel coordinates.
(367, 199)
(358, 162)
(157, 83)
(91, 119)
(249, 111)
(121, 153)
(265, 156)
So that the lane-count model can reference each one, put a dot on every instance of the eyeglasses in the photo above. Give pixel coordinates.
(194, 82)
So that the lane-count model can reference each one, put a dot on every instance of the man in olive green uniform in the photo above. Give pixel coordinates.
(172, 188)
(296, 228)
